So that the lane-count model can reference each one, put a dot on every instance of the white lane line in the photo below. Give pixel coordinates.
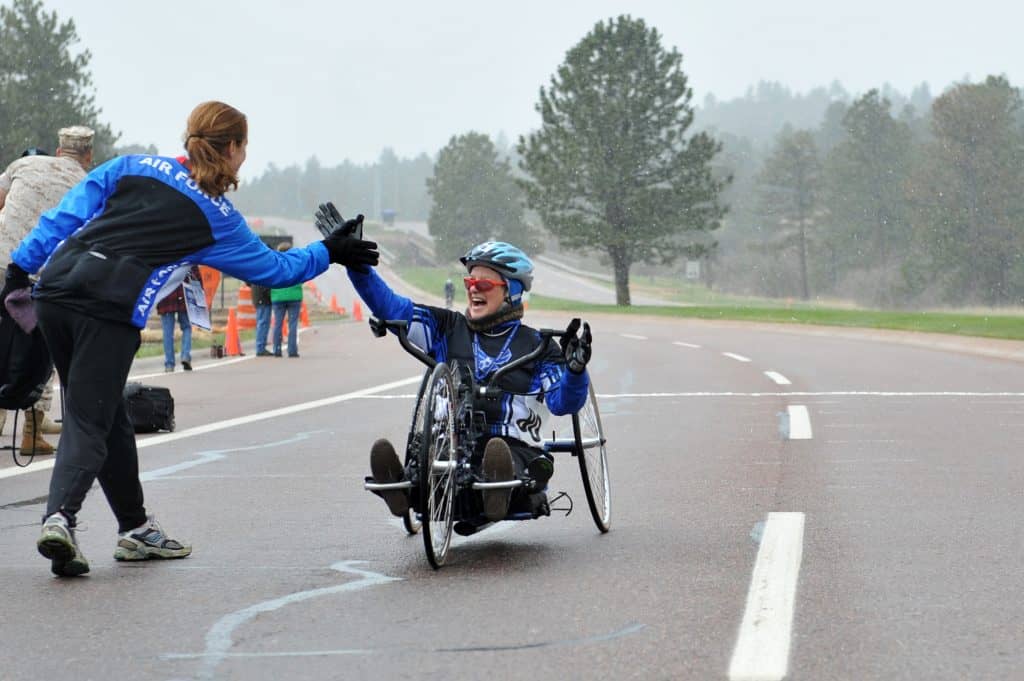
(231, 423)
(685, 345)
(762, 647)
(834, 393)
(777, 377)
(633, 336)
(738, 358)
(799, 422)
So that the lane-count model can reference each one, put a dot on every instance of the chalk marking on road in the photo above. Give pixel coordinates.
(231, 423)
(633, 336)
(559, 643)
(733, 355)
(762, 647)
(212, 455)
(778, 378)
(218, 638)
(686, 345)
(799, 422)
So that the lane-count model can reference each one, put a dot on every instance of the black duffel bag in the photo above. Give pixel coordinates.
(150, 408)
(25, 365)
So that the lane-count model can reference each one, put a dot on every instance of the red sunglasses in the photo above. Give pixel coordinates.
(482, 285)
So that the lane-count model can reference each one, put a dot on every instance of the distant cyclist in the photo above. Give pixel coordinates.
(488, 335)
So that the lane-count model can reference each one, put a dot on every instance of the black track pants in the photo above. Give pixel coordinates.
(92, 358)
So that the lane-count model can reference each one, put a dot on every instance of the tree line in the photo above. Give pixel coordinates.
(889, 199)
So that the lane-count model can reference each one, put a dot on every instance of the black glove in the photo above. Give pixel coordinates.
(16, 278)
(329, 220)
(351, 252)
(576, 350)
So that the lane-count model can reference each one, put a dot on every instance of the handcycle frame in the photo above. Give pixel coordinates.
(445, 428)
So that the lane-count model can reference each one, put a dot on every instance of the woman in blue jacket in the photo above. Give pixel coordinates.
(118, 242)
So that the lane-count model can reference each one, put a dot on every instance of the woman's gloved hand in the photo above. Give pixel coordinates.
(343, 239)
(576, 349)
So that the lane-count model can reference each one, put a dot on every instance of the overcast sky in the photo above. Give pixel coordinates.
(345, 79)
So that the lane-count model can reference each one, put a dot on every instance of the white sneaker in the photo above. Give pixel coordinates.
(148, 541)
(57, 542)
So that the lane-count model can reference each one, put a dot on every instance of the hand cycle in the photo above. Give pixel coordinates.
(446, 425)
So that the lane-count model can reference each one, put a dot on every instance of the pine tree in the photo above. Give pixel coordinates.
(610, 169)
(475, 198)
(43, 87)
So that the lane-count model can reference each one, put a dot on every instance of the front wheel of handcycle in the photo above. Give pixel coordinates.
(437, 464)
(593, 457)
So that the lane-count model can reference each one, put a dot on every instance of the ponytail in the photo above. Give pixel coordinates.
(212, 127)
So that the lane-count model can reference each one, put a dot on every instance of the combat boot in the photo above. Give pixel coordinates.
(47, 427)
(32, 441)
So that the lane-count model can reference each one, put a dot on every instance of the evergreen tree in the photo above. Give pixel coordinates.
(43, 87)
(967, 194)
(610, 168)
(475, 198)
(866, 174)
(790, 183)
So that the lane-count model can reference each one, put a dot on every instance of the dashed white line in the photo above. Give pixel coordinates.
(762, 647)
(738, 358)
(799, 422)
(777, 377)
(633, 336)
(685, 345)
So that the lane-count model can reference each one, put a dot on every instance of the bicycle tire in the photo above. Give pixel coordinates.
(592, 453)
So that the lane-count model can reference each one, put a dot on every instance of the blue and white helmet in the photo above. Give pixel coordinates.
(512, 263)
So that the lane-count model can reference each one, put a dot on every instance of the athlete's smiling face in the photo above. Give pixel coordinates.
(483, 303)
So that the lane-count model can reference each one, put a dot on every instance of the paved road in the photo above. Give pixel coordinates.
(885, 542)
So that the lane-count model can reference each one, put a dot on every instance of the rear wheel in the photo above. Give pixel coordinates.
(437, 464)
(593, 458)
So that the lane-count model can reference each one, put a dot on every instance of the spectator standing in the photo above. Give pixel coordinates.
(261, 299)
(286, 301)
(173, 308)
(29, 186)
(449, 293)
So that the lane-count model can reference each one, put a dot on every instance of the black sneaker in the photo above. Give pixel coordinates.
(386, 467)
(540, 471)
(264, 353)
(57, 542)
(186, 365)
(497, 467)
(148, 541)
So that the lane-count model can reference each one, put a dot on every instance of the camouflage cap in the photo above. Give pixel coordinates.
(76, 138)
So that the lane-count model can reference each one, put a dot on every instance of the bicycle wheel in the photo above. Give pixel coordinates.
(593, 458)
(437, 465)
(412, 450)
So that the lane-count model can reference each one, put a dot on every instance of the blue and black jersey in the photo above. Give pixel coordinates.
(532, 392)
(128, 233)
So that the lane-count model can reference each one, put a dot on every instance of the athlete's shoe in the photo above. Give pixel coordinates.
(386, 467)
(57, 542)
(497, 467)
(540, 471)
(148, 541)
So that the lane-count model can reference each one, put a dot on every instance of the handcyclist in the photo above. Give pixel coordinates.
(487, 335)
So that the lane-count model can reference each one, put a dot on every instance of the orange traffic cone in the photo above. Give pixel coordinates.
(334, 303)
(304, 317)
(232, 343)
(357, 311)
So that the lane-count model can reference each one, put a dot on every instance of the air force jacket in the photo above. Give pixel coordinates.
(127, 234)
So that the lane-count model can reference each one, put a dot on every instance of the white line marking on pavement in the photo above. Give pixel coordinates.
(218, 638)
(198, 367)
(835, 393)
(231, 423)
(633, 336)
(762, 647)
(799, 422)
(738, 358)
(685, 345)
(777, 377)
